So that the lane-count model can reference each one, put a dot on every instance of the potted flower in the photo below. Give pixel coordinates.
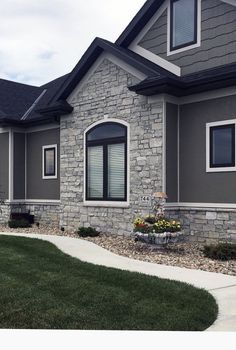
(157, 230)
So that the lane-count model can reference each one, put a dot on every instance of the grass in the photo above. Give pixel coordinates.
(42, 288)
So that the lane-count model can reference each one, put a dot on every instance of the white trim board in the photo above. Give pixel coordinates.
(31, 129)
(35, 201)
(200, 206)
(4, 130)
(230, 2)
(135, 47)
(157, 59)
(42, 128)
(204, 96)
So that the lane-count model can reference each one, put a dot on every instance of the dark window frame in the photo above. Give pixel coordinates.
(105, 143)
(225, 165)
(48, 175)
(192, 42)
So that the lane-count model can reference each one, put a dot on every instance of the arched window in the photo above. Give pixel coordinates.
(106, 162)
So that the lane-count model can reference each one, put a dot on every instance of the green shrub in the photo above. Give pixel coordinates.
(222, 251)
(22, 223)
(88, 232)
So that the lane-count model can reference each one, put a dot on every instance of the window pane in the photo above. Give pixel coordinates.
(183, 22)
(50, 162)
(95, 172)
(106, 131)
(222, 146)
(116, 171)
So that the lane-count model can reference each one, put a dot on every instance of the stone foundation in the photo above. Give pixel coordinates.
(206, 225)
(4, 213)
(45, 214)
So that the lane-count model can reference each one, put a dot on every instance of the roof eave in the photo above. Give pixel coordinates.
(61, 108)
(182, 88)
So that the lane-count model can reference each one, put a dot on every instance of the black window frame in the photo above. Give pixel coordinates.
(48, 175)
(233, 161)
(105, 143)
(194, 41)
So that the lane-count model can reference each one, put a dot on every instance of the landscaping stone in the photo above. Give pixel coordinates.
(188, 255)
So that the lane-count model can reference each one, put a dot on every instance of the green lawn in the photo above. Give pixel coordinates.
(42, 288)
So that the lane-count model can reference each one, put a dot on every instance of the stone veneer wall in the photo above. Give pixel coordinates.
(45, 214)
(106, 94)
(4, 213)
(207, 225)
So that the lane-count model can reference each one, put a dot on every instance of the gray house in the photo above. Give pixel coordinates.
(155, 111)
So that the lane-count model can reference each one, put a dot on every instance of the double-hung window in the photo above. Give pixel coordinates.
(183, 23)
(221, 146)
(49, 162)
(106, 162)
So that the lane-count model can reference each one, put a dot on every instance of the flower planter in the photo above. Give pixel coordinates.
(159, 238)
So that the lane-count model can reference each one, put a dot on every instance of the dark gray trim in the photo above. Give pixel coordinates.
(37, 187)
(196, 184)
(19, 166)
(4, 166)
(172, 152)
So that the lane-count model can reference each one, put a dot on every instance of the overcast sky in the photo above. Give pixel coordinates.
(43, 39)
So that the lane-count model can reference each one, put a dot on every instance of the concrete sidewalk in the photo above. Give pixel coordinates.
(222, 287)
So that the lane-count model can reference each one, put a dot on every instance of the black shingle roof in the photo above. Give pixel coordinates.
(52, 88)
(16, 98)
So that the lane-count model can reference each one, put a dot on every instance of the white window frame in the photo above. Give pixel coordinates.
(199, 25)
(208, 127)
(108, 204)
(51, 177)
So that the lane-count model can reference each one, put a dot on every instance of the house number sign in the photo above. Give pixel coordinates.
(146, 200)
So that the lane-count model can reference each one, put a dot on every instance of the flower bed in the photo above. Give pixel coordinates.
(157, 230)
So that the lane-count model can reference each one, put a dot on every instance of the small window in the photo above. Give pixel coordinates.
(50, 162)
(106, 163)
(222, 146)
(183, 26)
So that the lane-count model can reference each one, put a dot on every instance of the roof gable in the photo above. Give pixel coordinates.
(138, 22)
(94, 51)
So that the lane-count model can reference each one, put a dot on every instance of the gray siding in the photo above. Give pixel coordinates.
(156, 38)
(218, 46)
(19, 166)
(4, 166)
(37, 188)
(172, 152)
(196, 185)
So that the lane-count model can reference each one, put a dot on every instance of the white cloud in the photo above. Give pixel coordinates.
(41, 40)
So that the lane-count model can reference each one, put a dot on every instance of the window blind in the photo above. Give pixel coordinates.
(116, 171)
(183, 22)
(95, 172)
(49, 161)
(223, 145)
